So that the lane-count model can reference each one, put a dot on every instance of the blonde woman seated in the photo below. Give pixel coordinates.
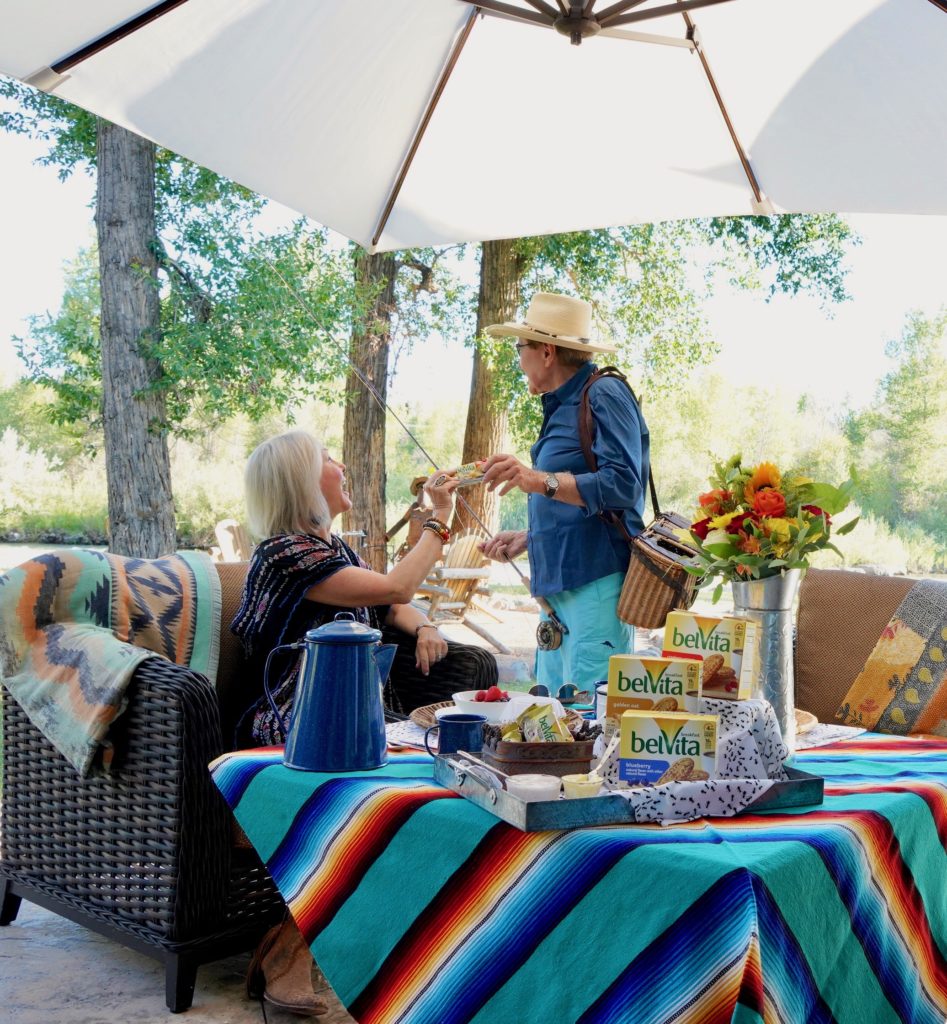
(301, 574)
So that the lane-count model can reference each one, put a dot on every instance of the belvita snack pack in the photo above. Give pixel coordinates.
(725, 645)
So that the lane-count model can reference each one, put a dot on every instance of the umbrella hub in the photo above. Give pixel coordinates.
(576, 26)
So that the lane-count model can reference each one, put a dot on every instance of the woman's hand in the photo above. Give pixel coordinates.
(431, 648)
(510, 472)
(505, 546)
(439, 489)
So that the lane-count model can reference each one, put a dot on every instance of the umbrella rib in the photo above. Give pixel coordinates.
(611, 12)
(544, 8)
(517, 13)
(452, 59)
(760, 197)
(104, 41)
(655, 12)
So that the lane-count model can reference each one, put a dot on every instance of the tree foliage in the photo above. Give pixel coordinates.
(234, 335)
(647, 284)
(898, 442)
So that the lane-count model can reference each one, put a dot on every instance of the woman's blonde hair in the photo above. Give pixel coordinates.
(281, 484)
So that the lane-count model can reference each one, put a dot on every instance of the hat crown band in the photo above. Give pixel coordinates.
(560, 316)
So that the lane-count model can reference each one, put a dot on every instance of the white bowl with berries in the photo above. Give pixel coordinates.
(497, 705)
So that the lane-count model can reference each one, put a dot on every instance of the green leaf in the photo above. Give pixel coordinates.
(848, 527)
(718, 591)
(830, 499)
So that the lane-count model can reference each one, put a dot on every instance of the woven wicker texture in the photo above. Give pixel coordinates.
(645, 600)
(426, 717)
(841, 616)
(146, 851)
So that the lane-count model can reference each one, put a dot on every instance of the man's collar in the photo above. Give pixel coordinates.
(572, 388)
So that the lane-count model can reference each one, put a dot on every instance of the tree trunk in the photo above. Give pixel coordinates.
(485, 433)
(138, 470)
(363, 445)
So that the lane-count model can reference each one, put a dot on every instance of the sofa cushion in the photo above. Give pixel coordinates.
(231, 683)
(841, 616)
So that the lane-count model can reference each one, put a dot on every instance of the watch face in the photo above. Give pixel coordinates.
(552, 484)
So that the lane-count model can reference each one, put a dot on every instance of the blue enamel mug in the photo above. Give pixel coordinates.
(457, 731)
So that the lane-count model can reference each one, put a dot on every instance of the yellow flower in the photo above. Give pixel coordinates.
(765, 475)
(723, 521)
(778, 529)
(801, 481)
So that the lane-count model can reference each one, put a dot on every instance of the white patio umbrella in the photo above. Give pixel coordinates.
(409, 122)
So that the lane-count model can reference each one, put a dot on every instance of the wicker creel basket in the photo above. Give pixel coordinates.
(657, 582)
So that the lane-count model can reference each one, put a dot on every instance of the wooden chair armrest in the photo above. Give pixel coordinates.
(432, 588)
(461, 574)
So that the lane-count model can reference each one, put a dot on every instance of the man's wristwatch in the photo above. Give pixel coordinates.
(551, 483)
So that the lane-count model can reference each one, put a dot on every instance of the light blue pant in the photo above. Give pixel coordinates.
(595, 634)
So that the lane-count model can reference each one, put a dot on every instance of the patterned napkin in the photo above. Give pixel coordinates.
(750, 756)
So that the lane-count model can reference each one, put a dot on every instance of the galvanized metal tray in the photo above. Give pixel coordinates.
(799, 790)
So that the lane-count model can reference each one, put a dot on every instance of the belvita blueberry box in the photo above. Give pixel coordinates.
(670, 746)
(725, 645)
(651, 684)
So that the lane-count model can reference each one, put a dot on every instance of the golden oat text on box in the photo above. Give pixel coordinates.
(651, 684)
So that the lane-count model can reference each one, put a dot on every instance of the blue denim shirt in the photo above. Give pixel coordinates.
(570, 545)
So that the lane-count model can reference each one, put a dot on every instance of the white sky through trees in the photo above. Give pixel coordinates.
(788, 343)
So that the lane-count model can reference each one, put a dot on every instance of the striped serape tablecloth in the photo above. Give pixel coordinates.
(421, 907)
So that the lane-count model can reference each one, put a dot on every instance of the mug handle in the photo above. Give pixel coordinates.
(428, 733)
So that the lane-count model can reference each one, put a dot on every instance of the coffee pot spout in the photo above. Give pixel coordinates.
(384, 655)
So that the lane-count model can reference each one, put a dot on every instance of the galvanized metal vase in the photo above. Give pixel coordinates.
(770, 603)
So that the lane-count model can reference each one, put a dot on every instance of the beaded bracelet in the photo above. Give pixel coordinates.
(436, 526)
(423, 625)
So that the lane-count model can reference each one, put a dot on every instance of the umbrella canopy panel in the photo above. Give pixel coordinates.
(345, 110)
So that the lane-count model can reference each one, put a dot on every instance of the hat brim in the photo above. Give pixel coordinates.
(528, 334)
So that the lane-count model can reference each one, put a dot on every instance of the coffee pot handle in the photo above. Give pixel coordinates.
(266, 683)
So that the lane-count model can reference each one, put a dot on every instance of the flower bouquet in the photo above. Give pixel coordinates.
(755, 523)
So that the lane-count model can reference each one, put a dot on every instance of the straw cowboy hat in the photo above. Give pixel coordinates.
(557, 320)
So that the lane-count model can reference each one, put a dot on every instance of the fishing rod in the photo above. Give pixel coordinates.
(373, 391)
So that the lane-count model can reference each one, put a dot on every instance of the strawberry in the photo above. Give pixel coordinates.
(494, 694)
(480, 696)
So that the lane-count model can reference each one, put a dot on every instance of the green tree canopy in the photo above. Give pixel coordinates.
(647, 284)
(898, 442)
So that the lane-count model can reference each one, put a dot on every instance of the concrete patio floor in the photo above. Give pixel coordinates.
(53, 971)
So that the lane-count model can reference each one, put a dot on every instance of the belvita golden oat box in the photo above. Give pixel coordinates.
(668, 746)
(726, 646)
(651, 684)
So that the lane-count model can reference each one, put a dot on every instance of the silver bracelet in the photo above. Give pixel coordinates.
(423, 625)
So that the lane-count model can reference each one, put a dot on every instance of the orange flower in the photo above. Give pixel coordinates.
(765, 475)
(711, 503)
(749, 545)
(769, 502)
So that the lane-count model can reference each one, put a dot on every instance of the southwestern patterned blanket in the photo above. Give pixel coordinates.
(420, 907)
(74, 625)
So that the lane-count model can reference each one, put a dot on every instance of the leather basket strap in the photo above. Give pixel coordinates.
(587, 437)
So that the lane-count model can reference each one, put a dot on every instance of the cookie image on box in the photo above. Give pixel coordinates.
(726, 646)
(660, 747)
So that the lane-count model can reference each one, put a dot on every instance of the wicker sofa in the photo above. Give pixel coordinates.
(146, 855)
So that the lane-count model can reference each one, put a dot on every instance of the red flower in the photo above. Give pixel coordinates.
(738, 523)
(814, 510)
(713, 501)
(769, 502)
(701, 528)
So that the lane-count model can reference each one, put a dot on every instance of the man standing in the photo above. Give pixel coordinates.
(577, 560)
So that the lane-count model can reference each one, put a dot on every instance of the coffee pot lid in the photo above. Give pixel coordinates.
(344, 629)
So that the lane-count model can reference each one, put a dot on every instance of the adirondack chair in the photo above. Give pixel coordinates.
(449, 593)
(233, 542)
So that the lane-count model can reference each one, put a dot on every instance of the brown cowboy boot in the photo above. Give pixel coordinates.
(281, 972)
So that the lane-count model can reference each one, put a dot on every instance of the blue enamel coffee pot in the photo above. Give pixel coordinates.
(338, 719)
